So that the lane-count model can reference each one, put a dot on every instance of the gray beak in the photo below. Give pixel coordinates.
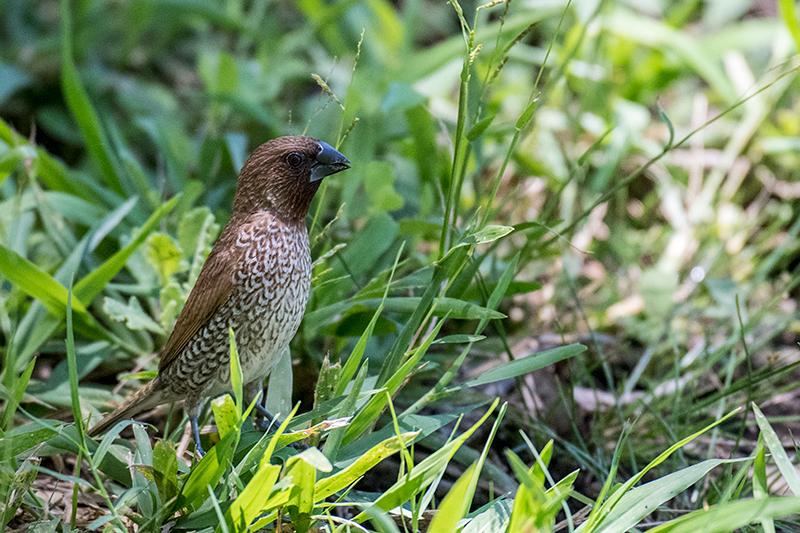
(329, 161)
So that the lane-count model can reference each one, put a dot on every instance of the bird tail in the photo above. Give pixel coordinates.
(145, 398)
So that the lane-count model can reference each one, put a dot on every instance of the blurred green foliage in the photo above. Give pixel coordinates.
(525, 174)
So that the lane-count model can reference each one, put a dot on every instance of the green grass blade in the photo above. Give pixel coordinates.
(775, 447)
(78, 101)
(639, 502)
(455, 505)
(370, 412)
(249, 504)
(760, 481)
(731, 516)
(19, 385)
(788, 13)
(54, 296)
(528, 364)
(608, 506)
(51, 171)
(426, 471)
(91, 285)
(366, 461)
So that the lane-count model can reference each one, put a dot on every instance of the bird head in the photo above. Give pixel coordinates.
(282, 176)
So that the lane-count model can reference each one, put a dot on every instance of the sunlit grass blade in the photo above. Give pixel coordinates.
(455, 505)
(731, 516)
(427, 470)
(776, 449)
(601, 512)
(370, 412)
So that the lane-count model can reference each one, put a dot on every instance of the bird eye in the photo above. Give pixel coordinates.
(294, 159)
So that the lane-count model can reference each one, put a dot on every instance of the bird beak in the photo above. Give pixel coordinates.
(329, 161)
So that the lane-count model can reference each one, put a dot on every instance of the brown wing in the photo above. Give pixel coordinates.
(212, 289)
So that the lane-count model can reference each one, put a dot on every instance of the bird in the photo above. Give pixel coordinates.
(255, 280)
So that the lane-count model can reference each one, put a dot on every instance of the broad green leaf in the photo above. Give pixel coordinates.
(225, 415)
(219, 72)
(24, 438)
(302, 470)
(491, 233)
(207, 472)
(165, 468)
(369, 244)
(279, 391)
(379, 186)
(22, 481)
(163, 255)
(760, 480)
(69, 440)
(789, 15)
(526, 115)
(493, 519)
(131, 313)
(399, 97)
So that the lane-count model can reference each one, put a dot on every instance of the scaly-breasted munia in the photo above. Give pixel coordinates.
(255, 280)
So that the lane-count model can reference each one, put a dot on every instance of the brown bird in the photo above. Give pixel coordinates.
(255, 280)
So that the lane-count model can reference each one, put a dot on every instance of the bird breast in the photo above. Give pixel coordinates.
(271, 283)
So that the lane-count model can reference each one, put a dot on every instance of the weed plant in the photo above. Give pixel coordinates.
(556, 291)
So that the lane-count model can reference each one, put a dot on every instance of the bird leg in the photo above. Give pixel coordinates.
(198, 449)
(263, 419)
(191, 406)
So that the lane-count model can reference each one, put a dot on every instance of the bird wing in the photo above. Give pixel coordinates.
(211, 290)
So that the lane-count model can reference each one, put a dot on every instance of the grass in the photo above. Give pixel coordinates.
(557, 289)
